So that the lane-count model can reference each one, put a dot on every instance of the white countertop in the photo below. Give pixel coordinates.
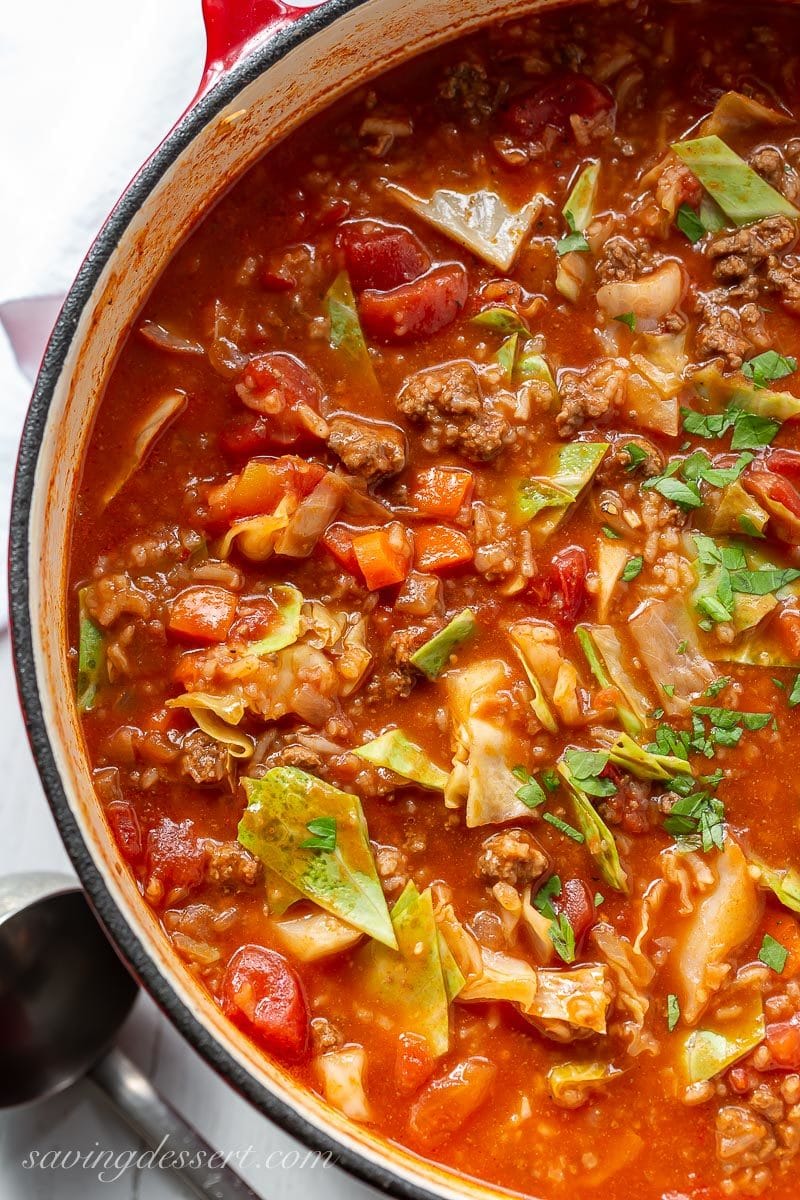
(86, 88)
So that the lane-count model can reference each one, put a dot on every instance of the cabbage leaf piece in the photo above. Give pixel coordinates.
(394, 751)
(723, 920)
(346, 334)
(315, 935)
(408, 985)
(539, 651)
(599, 838)
(741, 392)
(543, 500)
(481, 221)
(288, 602)
(571, 1083)
(218, 717)
(605, 657)
(706, 1052)
(736, 511)
(144, 438)
(431, 658)
(738, 190)
(783, 882)
(571, 1001)
(644, 764)
(736, 113)
(666, 639)
(572, 271)
(343, 881)
(91, 657)
(342, 1077)
(485, 750)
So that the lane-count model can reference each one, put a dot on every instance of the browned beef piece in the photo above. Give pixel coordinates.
(589, 395)
(449, 400)
(772, 166)
(513, 856)
(229, 864)
(741, 257)
(203, 759)
(729, 333)
(395, 676)
(372, 450)
(621, 259)
(466, 88)
(783, 276)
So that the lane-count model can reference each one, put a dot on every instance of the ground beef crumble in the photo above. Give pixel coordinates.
(513, 856)
(448, 399)
(366, 448)
(590, 395)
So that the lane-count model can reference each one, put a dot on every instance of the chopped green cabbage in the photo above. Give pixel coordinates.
(571, 1082)
(707, 1052)
(432, 657)
(599, 838)
(343, 881)
(738, 190)
(394, 751)
(605, 656)
(346, 334)
(543, 500)
(644, 764)
(91, 656)
(288, 603)
(782, 882)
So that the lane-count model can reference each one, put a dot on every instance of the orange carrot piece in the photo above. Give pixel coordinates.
(383, 555)
(438, 547)
(202, 613)
(441, 491)
(338, 541)
(784, 927)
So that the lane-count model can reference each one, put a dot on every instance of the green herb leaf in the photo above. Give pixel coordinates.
(551, 780)
(585, 767)
(636, 456)
(531, 793)
(568, 830)
(572, 243)
(628, 318)
(685, 495)
(610, 533)
(767, 367)
(763, 581)
(794, 694)
(673, 1011)
(689, 223)
(632, 568)
(323, 830)
(772, 954)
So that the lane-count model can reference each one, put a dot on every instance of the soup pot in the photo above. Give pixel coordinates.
(270, 66)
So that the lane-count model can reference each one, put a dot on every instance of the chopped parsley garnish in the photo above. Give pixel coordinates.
(772, 954)
(561, 933)
(725, 568)
(697, 821)
(699, 468)
(767, 367)
(572, 241)
(724, 728)
(586, 769)
(685, 495)
(568, 830)
(636, 456)
(750, 432)
(632, 568)
(668, 688)
(794, 694)
(689, 222)
(719, 685)
(324, 834)
(609, 532)
(628, 319)
(673, 1011)
(550, 779)
(531, 792)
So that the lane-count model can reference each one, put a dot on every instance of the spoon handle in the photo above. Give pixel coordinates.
(163, 1130)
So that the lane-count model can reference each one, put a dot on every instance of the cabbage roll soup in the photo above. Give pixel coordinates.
(436, 603)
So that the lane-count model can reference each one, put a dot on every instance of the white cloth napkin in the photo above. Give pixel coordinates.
(88, 89)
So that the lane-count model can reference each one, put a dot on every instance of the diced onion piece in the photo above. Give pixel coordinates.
(315, 935)
(164, 413)
(342, 1074)
(159, 336)
(649, 297)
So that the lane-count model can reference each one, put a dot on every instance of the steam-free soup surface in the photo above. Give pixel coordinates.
(436, 586)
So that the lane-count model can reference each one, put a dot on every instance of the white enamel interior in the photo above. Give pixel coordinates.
(357, 45)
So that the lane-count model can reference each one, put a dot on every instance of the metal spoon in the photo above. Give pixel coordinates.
(64, 994)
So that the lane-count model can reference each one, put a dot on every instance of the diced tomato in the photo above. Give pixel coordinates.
(418, 309)
(203, 613)
(381, 256)
(570, 567)
(781, 500)
(126, 829)
(335, 210)
(383, 555)
(437, 547)
(441, 491)
(446, 1103)
(783, 1043)
(577, 904)
(174, 854)
(413, 1064)
(786, 624)
(554, 102)
(338, 541)
(274, 279)
(784, 462)
(262, 990)
(262, 484)
(282, 389)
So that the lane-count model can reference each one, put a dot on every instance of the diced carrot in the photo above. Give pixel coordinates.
(383, 555)
(338, 541)
(204, 614)
(262, 485)
(438, 547)
(785, 929)
(441, 491)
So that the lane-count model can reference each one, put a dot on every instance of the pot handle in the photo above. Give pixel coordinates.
(235, 26)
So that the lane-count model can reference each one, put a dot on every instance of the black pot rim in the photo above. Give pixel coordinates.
(131, 949)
